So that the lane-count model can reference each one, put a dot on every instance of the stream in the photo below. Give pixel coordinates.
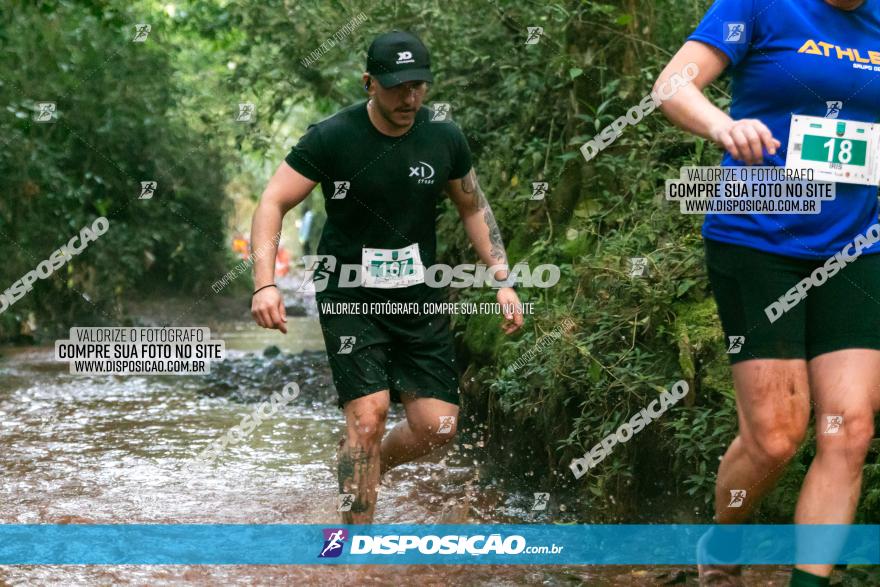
(118, 449)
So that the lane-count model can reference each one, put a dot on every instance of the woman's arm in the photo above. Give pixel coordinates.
(690, 110)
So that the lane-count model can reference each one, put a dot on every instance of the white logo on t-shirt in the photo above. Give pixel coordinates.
(424, 172)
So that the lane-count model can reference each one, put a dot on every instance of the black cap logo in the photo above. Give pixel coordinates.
(398, 57)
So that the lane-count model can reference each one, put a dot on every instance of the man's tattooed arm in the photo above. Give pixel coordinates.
(471, 187)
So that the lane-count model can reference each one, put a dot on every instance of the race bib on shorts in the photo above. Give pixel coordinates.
(843, 151)
(391, 268)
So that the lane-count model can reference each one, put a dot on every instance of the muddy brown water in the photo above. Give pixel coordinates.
(115, 449)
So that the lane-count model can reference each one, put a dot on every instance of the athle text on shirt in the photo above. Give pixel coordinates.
(811, 47)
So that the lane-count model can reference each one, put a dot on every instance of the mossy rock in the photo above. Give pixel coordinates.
(698, 321)
(483, 337)
(700, 339)
(582, 245)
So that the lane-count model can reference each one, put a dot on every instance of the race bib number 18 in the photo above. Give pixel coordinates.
(391, 268)
(843, 151)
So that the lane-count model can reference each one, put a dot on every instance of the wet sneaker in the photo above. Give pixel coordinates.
(711, 572)
(720, 575)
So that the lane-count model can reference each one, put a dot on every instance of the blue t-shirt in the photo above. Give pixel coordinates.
(798, 57)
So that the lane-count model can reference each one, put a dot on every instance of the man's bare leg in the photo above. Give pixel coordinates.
(844, 383)
(359, 455)
(773, 404)
(429, 423)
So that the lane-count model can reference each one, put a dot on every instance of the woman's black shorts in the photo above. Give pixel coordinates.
(773, 306)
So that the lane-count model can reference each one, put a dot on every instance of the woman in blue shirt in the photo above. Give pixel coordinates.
(819, 345)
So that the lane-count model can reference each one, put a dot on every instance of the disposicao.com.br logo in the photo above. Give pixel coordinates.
(334, 538)
(480, 544)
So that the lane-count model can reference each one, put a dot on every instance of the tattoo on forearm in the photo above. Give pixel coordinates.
(470, 185)
(497, 251)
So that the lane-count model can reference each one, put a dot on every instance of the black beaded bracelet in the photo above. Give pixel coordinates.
(262, 288)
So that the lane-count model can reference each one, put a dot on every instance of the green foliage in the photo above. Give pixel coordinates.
(119, 122)
(870, 506)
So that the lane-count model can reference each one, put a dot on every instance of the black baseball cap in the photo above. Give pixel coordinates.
(398, 57)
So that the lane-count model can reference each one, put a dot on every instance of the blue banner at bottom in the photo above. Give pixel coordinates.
(281, 544)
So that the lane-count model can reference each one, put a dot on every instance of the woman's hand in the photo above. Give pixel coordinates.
(745, 140)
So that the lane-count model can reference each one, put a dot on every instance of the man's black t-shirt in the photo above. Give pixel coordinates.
(381, 192)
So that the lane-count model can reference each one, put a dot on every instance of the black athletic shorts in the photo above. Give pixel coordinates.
(403, 353)
(839, 312)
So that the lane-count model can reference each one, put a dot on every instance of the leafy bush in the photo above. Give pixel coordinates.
(119, 122)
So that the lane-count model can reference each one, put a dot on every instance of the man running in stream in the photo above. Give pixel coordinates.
(385, 163)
